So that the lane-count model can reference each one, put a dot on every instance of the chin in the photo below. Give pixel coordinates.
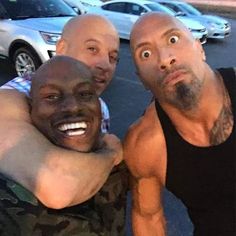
(76, 147)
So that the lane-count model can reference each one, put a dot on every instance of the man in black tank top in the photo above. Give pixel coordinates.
(186, 139)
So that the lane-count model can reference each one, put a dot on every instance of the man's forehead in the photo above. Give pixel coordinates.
(153, 26)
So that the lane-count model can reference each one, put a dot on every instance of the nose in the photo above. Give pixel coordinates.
(104, 63)
(166, 59)
(70, 104)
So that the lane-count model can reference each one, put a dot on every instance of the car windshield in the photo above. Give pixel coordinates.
(23, 9)
(191, 10)
(156, 7)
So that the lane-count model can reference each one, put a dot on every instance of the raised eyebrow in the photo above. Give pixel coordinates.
(140, 45)
(168, 32)
(91, 40)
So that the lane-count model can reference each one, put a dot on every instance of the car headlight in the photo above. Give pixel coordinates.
(50, 38)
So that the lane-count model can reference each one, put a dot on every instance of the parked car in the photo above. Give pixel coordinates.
(124, 13)
(29, 30)
(217, 26)
(77, 6)
(91, 3)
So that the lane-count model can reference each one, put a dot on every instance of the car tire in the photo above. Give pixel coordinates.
(25, 61)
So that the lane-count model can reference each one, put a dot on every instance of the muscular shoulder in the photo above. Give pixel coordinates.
(144, 144)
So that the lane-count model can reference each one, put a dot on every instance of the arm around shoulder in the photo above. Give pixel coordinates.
(58, 177)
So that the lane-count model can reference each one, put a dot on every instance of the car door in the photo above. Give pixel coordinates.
(133, 12)
(5, 28)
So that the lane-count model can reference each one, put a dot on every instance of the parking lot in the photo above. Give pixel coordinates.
(127, 100)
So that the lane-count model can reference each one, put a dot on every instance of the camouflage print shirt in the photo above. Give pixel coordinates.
(22, 214)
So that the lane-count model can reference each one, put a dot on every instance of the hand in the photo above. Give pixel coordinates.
(113, 144)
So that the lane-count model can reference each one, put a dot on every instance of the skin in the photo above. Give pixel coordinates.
(96, 45)
(22, 145)
(170, 62)
(63, 96)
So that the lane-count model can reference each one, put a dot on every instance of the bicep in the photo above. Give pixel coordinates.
(14, 105)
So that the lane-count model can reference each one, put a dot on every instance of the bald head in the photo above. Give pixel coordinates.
(153, 21)
(93, 40)
(86, 22)
(61, 68)
(64, 104)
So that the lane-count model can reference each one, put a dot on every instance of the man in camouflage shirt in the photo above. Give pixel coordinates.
(68, 113)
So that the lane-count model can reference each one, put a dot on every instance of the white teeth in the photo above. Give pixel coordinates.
(71, 126)
(75, 133)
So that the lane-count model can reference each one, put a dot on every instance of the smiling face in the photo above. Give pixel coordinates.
(94, 41)
(169, 61)
(64, 104)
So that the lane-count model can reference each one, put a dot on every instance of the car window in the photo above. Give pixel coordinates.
(173, 7)
(18, 9)
(160, 8)
(135, 9)
(117, 7)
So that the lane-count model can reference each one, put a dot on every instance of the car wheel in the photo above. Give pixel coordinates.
(25, 61)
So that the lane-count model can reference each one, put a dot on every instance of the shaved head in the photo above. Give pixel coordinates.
(93, 40)
(169, 60)
(86, 21)
(64, 104)
(152, 21)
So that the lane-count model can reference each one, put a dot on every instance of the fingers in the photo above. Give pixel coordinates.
(113, 143)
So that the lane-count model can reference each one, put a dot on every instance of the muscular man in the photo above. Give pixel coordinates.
(23, 146)
(186, 138)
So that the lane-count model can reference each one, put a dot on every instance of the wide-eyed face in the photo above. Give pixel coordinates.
(65, 106)
(95, 42)
(169, 61)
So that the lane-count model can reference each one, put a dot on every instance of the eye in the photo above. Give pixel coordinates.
(92, 49)
(146, 54)
(173, 39)
(52, 97)
(86, 94)
(114, 59)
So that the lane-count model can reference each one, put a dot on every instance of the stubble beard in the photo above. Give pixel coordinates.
(185, 96)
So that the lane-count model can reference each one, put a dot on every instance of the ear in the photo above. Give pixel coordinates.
(61, 47)
(201, 50)
(142, 80)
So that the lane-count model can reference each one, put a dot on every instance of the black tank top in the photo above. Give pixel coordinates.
(204, 177)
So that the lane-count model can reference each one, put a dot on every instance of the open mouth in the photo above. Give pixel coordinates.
(99, 80)
(73, 129)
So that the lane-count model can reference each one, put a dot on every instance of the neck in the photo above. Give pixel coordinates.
(205, 121)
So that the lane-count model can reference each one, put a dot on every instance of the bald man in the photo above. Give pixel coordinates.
(185, 140)
(23, 146)
(64, 106)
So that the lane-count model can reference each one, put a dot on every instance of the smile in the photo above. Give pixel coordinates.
(73, 129)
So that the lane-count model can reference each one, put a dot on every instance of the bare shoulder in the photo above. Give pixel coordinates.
(144, 145)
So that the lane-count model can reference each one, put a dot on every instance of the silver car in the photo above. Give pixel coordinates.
(29, 30)
(217, 27)
(77, 6)
(124, 13)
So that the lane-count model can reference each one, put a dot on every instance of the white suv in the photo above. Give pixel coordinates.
(29, 30)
